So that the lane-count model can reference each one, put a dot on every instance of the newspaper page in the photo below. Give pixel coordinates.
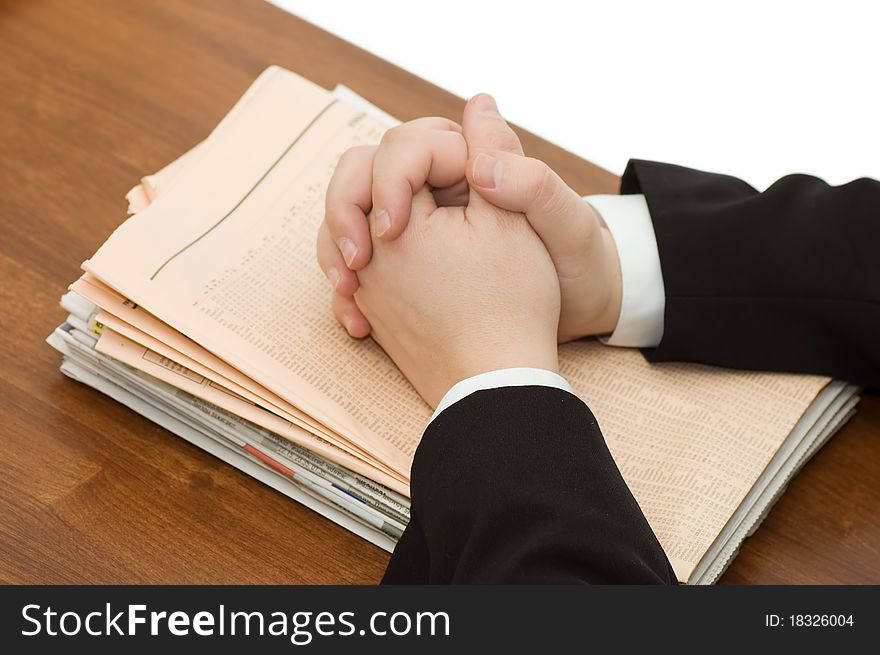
(690, 440)
(239, 276)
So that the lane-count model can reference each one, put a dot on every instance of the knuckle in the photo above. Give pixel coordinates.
(549, 190)
(350, 154)
(541, 183)
(340, 220)
(332, 212)
(458, 141)
(345, 157)
(393, 135)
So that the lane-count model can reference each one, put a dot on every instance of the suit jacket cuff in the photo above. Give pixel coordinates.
(505, 377)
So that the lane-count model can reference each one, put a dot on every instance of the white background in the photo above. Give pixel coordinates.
(755, 89)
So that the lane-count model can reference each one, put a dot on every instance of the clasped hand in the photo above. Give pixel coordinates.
(460, 255)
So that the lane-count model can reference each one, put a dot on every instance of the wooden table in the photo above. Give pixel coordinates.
(92, 96)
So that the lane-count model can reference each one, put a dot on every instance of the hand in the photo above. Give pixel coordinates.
(383, 179)
(462, 291)
(581, 248)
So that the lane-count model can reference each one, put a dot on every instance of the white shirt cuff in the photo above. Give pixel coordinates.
(505, 377)
(643, 296)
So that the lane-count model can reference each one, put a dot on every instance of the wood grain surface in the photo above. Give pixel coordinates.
(95, 94)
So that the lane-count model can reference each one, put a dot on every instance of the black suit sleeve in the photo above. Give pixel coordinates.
(783, 280)
(516, 485)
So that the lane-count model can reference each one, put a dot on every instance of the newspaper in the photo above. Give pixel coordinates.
(228, 310)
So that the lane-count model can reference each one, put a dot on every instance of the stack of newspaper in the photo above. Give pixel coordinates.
(206, 312)
(357, 503)
(367, 508)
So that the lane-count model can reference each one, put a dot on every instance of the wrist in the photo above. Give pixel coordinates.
(537, 355)
(499, 378)
(609, 314)
(593, 298)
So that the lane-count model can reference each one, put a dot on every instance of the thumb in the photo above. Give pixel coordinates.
(566, 223)
(485, 130)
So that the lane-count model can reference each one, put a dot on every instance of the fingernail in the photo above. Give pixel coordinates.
(346, 322)
(485, 104)
(333, 276)
(487, 171)
(348, 249)
(381, 223)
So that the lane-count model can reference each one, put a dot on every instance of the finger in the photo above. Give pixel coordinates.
(407, 160)
(347, 313)
(484, 129)
(347, 203)
(563, 220)
(453, 196)
(434, 123)
(423, 203)
(343, 280)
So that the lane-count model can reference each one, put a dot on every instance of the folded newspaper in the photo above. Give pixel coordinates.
(206, 313)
